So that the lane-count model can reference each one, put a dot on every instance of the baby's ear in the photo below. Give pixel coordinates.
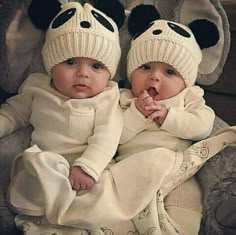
(112, 8)
(205, 32)
(140, 17)
(42, 12)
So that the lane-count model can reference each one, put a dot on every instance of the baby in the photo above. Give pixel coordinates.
(164, 112)
(74, 110)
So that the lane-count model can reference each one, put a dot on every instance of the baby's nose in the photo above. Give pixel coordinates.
(82, 70)
(155, 76)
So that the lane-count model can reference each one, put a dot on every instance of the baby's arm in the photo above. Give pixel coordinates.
(135, 115)
(103, 143)
(194, 121)
(15, 113)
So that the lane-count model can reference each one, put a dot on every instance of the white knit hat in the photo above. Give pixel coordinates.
(82, 31)
(167, 42)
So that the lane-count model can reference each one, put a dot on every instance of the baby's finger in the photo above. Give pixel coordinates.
(155, 114)
(142, 103)
(153, 107)
(76, 187)
(147, 101)
(83, 186)
(90, 184)
(144, 95)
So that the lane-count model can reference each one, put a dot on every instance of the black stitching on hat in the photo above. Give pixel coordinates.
(157, 32)
(85, 24)
(179, 30)
(63, 18)
(102, 20)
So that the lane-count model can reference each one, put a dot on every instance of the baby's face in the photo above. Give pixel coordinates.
(160, 80)
(80, 78)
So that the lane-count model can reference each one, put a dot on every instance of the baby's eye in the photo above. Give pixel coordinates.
(145, 66)
(71, 61)
(98, 66)
(170, 72)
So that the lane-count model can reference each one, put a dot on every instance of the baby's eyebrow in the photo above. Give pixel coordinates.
(170, 67)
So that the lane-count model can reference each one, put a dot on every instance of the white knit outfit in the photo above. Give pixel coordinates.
(128, 189)
(40, 185)
(79, 128)
(133, 188)
(188, 120)
(85, 131)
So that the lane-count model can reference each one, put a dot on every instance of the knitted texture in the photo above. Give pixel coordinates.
(167, 42)
(82, 31)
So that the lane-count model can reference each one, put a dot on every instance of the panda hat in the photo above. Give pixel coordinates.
(82, 31)
(166, 41)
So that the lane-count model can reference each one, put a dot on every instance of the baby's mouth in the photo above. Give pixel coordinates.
(80, 86)
(152, 92)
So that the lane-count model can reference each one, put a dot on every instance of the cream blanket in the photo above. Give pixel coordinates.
(127, 203)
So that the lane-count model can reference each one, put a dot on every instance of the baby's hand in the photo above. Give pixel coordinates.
(142, 102)
(159, 112)
(80, 179)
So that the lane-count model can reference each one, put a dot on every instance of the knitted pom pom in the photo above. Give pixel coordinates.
(140, 17)
(205, 32)
(42, 12)
(112, 8)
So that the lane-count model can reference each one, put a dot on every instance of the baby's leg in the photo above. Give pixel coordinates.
(118, 196)
(184, 205)
(26, 193)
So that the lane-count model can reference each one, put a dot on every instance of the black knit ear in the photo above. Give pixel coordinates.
(205, 32)
(42, 12)
(140, 17)
(112, 8)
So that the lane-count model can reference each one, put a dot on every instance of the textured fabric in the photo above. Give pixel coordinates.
(187, 111)
(167, 42)
(188, 219)
(220, 168)
(115, 199)
(193, 158)
(19, 139)
(88, 130)
(110, 201)
(184, 205)
(188, 195)
(82, 31)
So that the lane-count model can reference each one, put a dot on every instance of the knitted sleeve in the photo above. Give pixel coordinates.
(102, 145)
(15, 112)
(194, 121)
(134, 121)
